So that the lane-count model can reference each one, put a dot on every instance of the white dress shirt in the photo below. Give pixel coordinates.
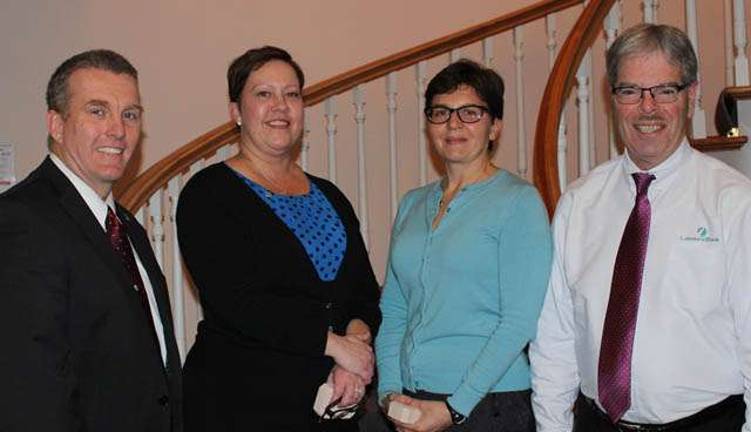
(99, 208)
(692, 346)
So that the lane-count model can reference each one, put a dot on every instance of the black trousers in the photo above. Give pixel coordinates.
(726, 416)
(496, 412)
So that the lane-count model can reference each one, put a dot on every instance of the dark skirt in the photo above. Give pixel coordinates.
(228, 388)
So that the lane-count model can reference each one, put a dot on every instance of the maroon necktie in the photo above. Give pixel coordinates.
(119, 240)
(614, 371)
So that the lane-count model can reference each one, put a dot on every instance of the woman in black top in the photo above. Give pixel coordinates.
(288, 294)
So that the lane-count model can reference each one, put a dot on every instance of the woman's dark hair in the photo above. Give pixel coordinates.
(486, 82)
(252, 60)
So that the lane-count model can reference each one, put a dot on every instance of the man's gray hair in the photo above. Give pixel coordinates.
(650, 38)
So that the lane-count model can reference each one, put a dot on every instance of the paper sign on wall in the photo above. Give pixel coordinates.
(7, 168)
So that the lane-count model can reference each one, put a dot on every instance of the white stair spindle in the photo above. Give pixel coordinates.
(223, 153)
(358, 100)
(157, 226)
(391, 109)
(729, 50)
(487, 52)
(699, 120)
(197, 166)
(591, 137)
(391, 91)
(562, 154)
(552, 43)
(739, 27)
(422, 147)
(613, 24)
(305, 146)
(330, 117)
(552, 46)
(521, 140)
(582, 98)
(454, 55)
(178, 278)
(650, 11)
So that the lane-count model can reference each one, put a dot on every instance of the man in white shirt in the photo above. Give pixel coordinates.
(85, 321)
(647, 319)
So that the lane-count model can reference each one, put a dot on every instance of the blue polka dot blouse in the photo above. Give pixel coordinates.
(315, 223)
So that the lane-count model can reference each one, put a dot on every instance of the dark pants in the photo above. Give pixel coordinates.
(496, 412)
(725, 416)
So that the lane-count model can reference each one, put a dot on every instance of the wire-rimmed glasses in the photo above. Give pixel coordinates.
(662, 93)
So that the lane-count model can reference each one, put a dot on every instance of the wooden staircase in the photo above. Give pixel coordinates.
(152, 196)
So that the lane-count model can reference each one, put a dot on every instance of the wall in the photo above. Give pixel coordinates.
(182, 49)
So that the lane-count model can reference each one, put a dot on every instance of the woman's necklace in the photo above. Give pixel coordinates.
(447, 195)
(272, 185)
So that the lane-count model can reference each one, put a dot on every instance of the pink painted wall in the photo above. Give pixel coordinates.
(182, 49)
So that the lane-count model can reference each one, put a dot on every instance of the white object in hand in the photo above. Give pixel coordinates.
(323, 399)
(403, 413)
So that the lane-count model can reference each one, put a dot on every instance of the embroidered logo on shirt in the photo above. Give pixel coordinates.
(702, 235)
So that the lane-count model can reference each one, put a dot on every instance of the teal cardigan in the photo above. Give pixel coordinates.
(460, 303)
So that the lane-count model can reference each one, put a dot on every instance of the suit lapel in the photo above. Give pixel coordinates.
(72, 202)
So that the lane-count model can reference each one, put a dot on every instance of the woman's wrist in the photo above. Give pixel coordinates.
(384, 400)
(332, 344)
(359, 329)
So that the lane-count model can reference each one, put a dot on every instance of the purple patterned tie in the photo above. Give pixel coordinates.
(119, 240)
(614, 372)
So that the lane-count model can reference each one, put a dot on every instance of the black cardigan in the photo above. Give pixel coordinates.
(266, 312)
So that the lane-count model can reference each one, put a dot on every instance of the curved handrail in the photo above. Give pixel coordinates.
(560, 82)
(136, 194)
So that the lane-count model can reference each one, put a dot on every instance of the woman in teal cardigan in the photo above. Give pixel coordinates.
(467, 273)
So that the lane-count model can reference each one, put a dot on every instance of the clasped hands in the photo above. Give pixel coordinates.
(354, 360)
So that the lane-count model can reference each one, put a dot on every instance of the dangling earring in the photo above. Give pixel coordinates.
(239, 123)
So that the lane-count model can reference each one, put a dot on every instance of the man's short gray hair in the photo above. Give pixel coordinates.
(650, 38)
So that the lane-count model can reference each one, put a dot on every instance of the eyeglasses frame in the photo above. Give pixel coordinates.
(451, 111)
(678, 86)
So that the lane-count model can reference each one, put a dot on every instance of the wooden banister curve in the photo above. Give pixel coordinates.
(135, 195)
(376, 69)
(559, 85)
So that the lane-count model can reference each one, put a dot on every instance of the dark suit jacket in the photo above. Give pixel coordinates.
(78, 353)
(259, 354)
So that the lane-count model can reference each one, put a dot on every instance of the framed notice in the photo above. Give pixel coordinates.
(7, 168)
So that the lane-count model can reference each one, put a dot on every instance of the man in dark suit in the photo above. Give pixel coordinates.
(85, 322)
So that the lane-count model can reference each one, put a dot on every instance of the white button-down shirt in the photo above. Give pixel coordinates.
(692, 346)
(99, 208)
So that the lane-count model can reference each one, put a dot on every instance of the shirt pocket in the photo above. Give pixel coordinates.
(695, 274)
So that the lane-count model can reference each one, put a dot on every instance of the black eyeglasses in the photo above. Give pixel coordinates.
(663, 93)
(440, 114)
(332, 412)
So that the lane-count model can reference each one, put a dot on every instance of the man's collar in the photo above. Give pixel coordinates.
(666, 167)
(96, 204)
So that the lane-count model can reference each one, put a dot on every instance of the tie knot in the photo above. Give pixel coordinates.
(642, 180)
